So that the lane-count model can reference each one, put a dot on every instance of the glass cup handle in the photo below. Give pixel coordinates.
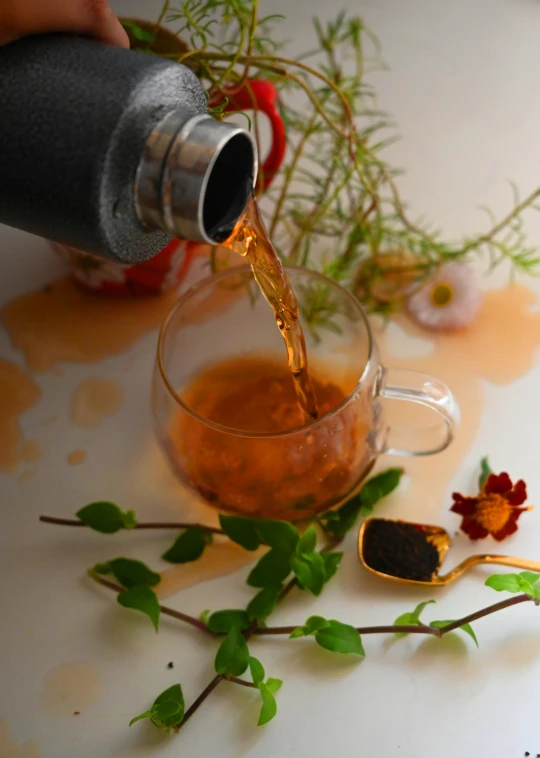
(414, 387)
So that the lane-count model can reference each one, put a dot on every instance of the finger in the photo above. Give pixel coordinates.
(20, 18)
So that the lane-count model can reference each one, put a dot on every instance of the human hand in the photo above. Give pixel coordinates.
(93, 18)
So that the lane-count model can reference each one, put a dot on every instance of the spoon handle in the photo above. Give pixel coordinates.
(508, 560)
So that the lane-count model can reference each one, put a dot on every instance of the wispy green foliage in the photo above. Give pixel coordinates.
(335, 193)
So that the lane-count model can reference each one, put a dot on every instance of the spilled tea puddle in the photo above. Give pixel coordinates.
(71, 688)
(94, 400)
(63, 323)
(218, 560)
(76, 457)
(11, 749)
(18, 393)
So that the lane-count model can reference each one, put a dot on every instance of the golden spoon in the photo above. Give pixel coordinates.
(440, 539)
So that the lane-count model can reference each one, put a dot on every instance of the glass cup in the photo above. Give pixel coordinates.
(288, 473)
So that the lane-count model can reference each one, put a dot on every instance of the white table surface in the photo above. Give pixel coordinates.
(464, 86)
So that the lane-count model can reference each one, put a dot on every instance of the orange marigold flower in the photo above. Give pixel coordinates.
(495, 510)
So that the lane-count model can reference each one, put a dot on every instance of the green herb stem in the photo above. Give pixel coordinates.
(191, 620)
(242, 682)
(290, 172)
(142, 525)
(200, 700)
(416, 628)
(516, 600)
(504, 223)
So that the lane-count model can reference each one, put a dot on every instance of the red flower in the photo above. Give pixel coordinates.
(495, 510)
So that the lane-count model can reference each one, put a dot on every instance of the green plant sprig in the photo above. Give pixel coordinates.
(335, 205)
(142, 525)
(293, 553)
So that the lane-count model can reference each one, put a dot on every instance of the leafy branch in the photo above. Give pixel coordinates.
(142, 525)
(293, 560)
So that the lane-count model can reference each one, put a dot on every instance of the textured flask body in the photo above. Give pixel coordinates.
(75, 116)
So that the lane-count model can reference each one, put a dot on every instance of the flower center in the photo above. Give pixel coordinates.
(492, 512)
(441, 295)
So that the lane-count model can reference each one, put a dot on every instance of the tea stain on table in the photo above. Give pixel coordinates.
(64, 323)
(12, 749)
(31, 452)
(71, 688)
(94, 400)
(500, 347)
(76, 457)
(221, 558)
(18, 393)
(27, 475)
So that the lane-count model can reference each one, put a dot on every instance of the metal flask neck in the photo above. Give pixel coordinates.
(195, 177)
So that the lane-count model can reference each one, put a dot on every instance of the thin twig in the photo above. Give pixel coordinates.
(191, 620)
(243, 682)
(200, 700)
(420, 628)
(141, 525)
(515, 600)
(330, 545)
(519, 208)
(290, 172)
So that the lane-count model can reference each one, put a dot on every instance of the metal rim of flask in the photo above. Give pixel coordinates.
(191, 179)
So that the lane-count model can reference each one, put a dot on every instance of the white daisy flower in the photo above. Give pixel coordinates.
(448, 301)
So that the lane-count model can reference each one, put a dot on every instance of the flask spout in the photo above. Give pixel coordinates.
(196, 177)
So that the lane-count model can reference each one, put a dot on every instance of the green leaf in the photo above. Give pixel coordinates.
(412, 618)
(298, 632)
(241, 530)
(189, 546)
(271, 570)
(277, 534)
(379, 487)
(467, 628)
(332, 562)
(273, 684)
(522, 582)
(222, 622)
(129, 520)
(310, 571)
(269, 705)
(205, 615)
(529, 576)
(142, 599)
(339, 522)
(106, 518)
(264, 602)
(232, 658)
(169, 707)
(257, 670)
(101, 568)
(340, 638)
(485, 471)
(138, 32)
(145, 715)
(252, 533)
(131, 573)
(167, 710)
(312, 625)
(308, 541)
(503, 582)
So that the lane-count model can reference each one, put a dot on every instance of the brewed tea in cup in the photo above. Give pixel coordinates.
(226, 408)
